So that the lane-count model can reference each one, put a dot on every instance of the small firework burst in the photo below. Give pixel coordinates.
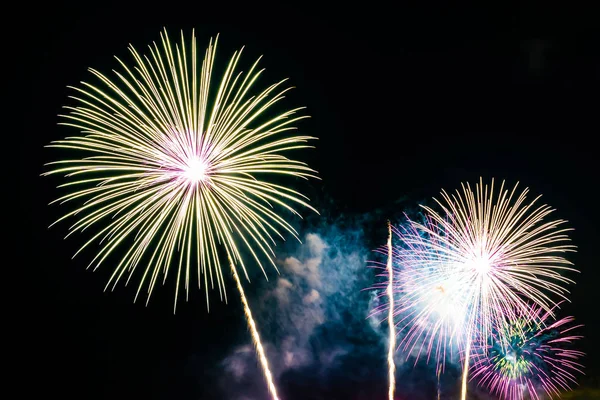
(528, 356)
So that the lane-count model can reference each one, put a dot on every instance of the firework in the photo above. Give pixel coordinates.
(501, 251)
(177, 176)
(528, 356)
(474, 266)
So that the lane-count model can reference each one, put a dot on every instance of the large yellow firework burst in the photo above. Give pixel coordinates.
(176, 175)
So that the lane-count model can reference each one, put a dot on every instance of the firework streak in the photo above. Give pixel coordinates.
(392, 327)
(254, 332)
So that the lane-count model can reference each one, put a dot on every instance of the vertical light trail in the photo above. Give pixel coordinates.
(255, 336)
(463, 392)
(439, 389)
(390, 293)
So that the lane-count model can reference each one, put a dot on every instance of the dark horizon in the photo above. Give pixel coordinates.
(404, 103)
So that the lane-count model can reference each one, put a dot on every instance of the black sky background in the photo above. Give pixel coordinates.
(404, 102)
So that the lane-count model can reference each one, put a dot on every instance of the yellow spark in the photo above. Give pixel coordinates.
(439, 373)
(465, 374)
(255, 336)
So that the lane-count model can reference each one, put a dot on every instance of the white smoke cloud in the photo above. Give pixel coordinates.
(236, 364)
(282, 290)
(311, 297)
(303, 296)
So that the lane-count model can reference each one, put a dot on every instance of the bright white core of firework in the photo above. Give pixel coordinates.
(195, 171)
(481, 265)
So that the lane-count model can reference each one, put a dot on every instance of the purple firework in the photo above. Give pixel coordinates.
(529, 356)
(429, 307)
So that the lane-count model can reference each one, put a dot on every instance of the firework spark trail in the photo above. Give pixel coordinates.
(467, 355)
(465, 374)
(254, 332)
(391, 324)
(439, 388)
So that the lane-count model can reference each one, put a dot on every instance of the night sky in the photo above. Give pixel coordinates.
(404, 102)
